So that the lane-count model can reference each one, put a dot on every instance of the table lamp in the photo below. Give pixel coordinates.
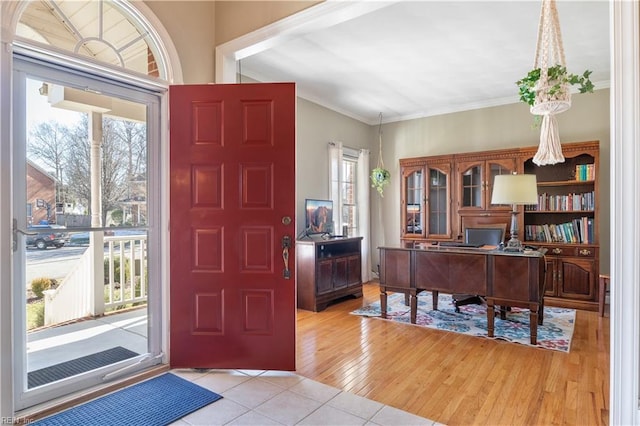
(515, 190)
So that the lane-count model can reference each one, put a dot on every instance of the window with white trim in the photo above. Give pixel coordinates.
(349, 195)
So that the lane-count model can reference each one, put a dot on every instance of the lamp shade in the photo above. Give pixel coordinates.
(515, 189)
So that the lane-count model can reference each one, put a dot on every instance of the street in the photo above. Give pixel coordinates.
(51, 263)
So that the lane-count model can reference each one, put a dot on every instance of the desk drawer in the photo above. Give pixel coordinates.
(572, 251)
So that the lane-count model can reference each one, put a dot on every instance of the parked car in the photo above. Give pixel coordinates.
(79, 238)
(52, 237)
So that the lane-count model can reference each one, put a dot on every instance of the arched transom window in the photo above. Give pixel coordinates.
(106, 31)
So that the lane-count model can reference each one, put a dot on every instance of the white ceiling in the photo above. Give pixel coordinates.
(411, 59)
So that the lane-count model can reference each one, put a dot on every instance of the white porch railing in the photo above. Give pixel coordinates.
(125, 281)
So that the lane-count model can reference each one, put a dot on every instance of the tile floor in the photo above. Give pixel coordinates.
(283, 398)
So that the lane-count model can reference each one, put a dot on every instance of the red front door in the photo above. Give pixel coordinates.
(232, 165)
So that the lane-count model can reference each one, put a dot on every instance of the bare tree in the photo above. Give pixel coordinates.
(133, 137)
(68, 152)
(114, 168)
(48, 143)
(78, 164)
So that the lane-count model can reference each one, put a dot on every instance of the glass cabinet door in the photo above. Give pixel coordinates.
(494, 168)
(439, 201)
(413, 194)
(470, 187)
(476, 182)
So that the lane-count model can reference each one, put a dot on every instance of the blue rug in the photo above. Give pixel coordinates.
(158, 401)
(555, 333)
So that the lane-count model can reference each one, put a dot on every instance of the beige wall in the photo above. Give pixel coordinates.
(237, 18)
(190, 24)
(316, 127)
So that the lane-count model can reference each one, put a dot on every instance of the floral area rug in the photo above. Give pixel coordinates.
(555, 333)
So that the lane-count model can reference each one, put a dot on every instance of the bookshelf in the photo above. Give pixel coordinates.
(565, 222)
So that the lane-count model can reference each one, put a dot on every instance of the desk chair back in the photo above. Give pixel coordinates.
(489, 236)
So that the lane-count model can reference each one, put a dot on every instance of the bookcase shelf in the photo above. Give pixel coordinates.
(568, 183)
(565, 222)
(560, 211)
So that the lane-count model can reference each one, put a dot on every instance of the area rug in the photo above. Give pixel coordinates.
(77, 366)
(555, 333)
(155, 402)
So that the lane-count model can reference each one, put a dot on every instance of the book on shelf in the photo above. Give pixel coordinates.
(565, 202)
(576, 231)
(585, 172)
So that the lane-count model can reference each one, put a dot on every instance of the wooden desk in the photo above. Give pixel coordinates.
(504, 278)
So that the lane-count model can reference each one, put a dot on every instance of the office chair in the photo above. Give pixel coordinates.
(492, 236)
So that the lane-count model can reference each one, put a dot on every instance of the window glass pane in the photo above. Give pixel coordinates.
(349, 196)
(471, 187)
(437, 202)
(349, 218)
(58, 145)
(101, 30)
(414, 191)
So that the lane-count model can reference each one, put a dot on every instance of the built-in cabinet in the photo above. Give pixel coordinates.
(426, 199)
(565, 220)
(327, 270)
(571, 279)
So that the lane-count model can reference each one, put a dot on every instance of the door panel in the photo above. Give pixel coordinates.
(577, 278)
(325, 276)
(340, 276)
(232, 183)
(353, 267)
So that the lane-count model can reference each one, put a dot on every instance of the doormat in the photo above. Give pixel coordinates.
(79, 365)
(555, 333)
(156, 402)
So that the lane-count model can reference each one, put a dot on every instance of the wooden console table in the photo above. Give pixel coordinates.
(503, 278)
(327, 270)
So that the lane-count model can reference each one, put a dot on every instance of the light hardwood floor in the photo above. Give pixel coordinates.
(456, 379)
